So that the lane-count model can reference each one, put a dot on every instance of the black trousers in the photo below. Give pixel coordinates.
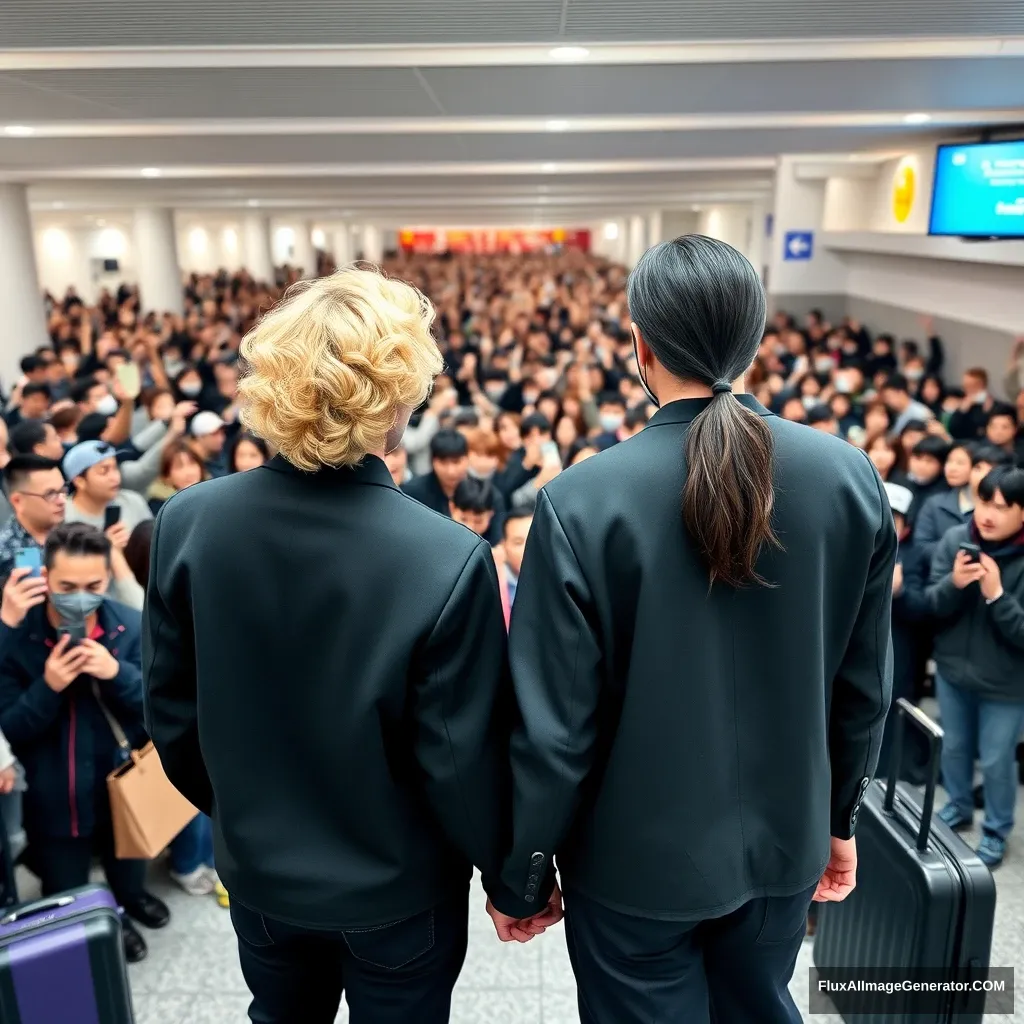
(65, 863)
(392, 974)
(635, 970)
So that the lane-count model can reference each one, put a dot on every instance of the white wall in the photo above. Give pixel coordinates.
(206, 247)
(611, 248)
(679, 222)
(73, 256)
(728, 222)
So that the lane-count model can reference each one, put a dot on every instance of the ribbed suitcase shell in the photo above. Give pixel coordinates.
(910, 909)
(62, 961)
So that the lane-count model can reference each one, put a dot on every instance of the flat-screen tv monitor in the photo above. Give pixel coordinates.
(979, 191)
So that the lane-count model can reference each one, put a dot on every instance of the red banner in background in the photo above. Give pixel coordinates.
(493, 240)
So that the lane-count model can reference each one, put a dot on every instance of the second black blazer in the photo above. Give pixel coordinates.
(685, 749)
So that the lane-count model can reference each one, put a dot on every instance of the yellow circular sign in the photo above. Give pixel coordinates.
(903, 187)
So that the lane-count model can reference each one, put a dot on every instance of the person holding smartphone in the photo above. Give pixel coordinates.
(62, 651)
(976, 593)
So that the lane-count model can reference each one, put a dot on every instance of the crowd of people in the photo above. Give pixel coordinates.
(127, 407)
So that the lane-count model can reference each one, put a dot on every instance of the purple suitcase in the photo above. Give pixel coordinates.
(62, 961)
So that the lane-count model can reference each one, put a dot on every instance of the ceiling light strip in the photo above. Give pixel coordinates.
(491, 54)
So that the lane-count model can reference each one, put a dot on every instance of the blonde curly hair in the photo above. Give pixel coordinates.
(326, 370)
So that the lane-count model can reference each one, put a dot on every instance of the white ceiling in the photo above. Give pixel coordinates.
(398, 110)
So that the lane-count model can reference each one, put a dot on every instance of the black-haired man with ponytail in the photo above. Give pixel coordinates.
(696, 794)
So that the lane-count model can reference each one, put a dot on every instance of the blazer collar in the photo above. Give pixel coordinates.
(370, 471)
(686, 409)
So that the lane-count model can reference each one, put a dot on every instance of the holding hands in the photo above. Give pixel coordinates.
(511, 929)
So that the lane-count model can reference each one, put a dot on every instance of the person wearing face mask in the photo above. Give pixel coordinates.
(189, 384)
(375, 798)
(92, 396)
(611, 410)
(66, 653)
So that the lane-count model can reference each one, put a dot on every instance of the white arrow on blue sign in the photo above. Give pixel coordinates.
(798, 245)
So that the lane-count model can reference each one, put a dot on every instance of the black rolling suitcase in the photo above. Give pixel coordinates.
(923, 907)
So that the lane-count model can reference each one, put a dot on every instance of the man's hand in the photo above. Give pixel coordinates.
(966, 572)
(840, 877)
(992, 581)
(119, 535)
(64, 665)
(511, 929)
(8, 779)
(99, 662)
(21, 593)
(897, 579)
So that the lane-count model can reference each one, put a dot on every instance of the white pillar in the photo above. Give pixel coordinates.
(24, 320)
(341, 245)
(802, 272)
(304, 254)
(635, 242)
(655, 232)
(156, 256)
(256, 254)
(373, 244)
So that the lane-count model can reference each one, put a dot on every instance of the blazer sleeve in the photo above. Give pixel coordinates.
(862, 688)
(169, 673)
(461, 710)
(556, 661)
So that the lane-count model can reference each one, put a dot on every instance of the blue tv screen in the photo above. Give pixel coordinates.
(979, 191)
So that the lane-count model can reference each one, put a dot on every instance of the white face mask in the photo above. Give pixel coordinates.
(824, 366)
(810, 401)
(191, 390)
(107, 405)
(981, 398)
(915, 374)
(844, 385)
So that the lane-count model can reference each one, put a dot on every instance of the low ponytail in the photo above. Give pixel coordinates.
(728, 495)
(700, 308)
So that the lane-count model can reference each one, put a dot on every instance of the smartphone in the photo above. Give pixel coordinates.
(29, 558)
(75, 634)
(111, 516)
(972, 550)
(131, 380)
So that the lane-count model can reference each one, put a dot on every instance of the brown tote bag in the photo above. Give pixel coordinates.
(147, 811)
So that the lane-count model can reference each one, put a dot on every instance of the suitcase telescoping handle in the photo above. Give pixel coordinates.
(39, 907)
(909, 713)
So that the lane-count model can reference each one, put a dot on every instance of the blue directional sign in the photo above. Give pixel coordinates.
(798, 245)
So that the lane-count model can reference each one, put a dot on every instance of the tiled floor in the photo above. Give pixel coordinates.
(192, 974)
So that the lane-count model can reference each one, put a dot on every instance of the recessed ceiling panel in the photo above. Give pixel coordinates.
(44, 154)
(88, 23)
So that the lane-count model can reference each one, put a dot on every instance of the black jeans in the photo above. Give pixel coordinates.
(633, 970)
(65, 863)
(391, 974)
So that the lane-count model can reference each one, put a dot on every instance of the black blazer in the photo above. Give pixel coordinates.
(683, 750)
(326, 674)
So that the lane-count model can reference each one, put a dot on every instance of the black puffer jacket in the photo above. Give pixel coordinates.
(980, 646)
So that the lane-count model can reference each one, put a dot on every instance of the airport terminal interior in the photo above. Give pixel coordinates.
(168, 169)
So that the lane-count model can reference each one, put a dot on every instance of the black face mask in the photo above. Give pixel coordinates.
(643, 380)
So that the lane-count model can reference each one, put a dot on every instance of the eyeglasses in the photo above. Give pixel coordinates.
(51, 497)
